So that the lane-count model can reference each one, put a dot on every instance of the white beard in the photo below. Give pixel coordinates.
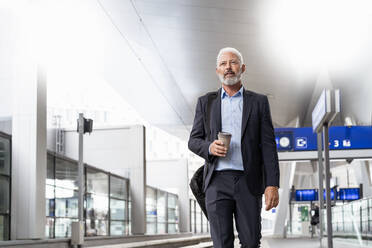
(230, 80)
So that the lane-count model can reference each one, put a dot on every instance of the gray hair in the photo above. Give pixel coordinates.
(230, 50)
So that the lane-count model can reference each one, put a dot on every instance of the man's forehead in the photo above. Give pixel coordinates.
(228, 55)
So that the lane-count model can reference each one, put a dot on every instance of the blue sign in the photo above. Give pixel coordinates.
(301, 142)
(284, 140)
(333, 193)
(151, 212)
(306, 195)
(344, 194)
(340, 138)
(349, 194)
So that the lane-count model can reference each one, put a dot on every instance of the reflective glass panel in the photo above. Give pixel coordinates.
(63, 227)
(117, 228)
(4, 195)
(4, 156)
(50, 170)
(151, 212)
(66, 203)
(66, 174)
(96, 227)
(130, 217)
(172, 228)
(49, 228)
(162, 206)
(117, 209)
(172, 215)
(49, 195)
(4, 227)
(97, 182)
(151, 228)
(161, 227)
(97, 206)
(118, 188)
(172, 200)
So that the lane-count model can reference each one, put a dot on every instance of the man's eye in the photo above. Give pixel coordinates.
(233, 62)
(223, 63)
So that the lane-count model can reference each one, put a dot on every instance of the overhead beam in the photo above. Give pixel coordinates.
(333, 154)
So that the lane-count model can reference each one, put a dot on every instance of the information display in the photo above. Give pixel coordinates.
(340, 138)
(349, 194)
(343, 194)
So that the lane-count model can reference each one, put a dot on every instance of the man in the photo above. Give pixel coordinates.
(235, 179)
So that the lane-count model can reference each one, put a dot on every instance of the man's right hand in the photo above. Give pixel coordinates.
(217, 148)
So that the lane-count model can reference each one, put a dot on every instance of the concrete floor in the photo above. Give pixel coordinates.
(303, 242)
(272, 242)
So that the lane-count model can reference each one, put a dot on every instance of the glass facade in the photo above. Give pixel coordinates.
(97, 203)
(5, 182)
(352, 220)
(192, 216)
(119, 206)
(162, 213)
(172, 213)
(151, 214)
(105, 206)
(161, 210)
(61, 196)
(198, 222)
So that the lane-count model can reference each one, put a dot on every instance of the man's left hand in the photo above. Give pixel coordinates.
(271, 197)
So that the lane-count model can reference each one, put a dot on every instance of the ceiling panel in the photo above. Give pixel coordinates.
(187, 36)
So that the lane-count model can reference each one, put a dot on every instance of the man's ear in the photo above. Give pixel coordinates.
(243, 68)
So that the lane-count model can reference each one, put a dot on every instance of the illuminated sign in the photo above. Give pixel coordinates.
(348, 194)
(343, 194)
(306, 195)
(340, 138)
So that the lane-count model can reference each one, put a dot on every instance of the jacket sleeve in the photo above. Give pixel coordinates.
(269, 152)
(197, 141)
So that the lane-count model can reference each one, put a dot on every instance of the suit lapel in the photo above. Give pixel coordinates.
(216, 112)
(247, 107)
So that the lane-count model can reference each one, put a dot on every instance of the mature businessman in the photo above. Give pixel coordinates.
(235, 179)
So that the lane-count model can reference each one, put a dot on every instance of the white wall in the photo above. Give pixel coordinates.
(110, 149)
(8, 27)
(120, 151)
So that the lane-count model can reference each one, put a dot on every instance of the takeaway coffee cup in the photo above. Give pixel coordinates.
(225, 138)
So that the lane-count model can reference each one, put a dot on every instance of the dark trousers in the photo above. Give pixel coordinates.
(228, 195)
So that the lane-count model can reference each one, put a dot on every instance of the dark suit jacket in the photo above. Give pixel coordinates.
(258, 146)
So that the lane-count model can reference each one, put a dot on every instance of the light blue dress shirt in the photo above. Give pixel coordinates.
(231, 121)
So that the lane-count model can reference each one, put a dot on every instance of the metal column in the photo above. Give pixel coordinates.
(320, 179)
(81, 168)
(77, 227)
(328, 190)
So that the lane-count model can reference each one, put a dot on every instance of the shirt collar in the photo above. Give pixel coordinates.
(239, 93)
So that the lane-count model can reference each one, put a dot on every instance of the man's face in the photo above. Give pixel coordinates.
(228, 68)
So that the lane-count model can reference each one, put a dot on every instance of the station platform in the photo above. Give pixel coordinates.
(186, 240)
(304, 242)
(266, 242)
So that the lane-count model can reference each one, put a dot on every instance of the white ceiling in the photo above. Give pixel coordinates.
(159, 55)
(176, 43)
